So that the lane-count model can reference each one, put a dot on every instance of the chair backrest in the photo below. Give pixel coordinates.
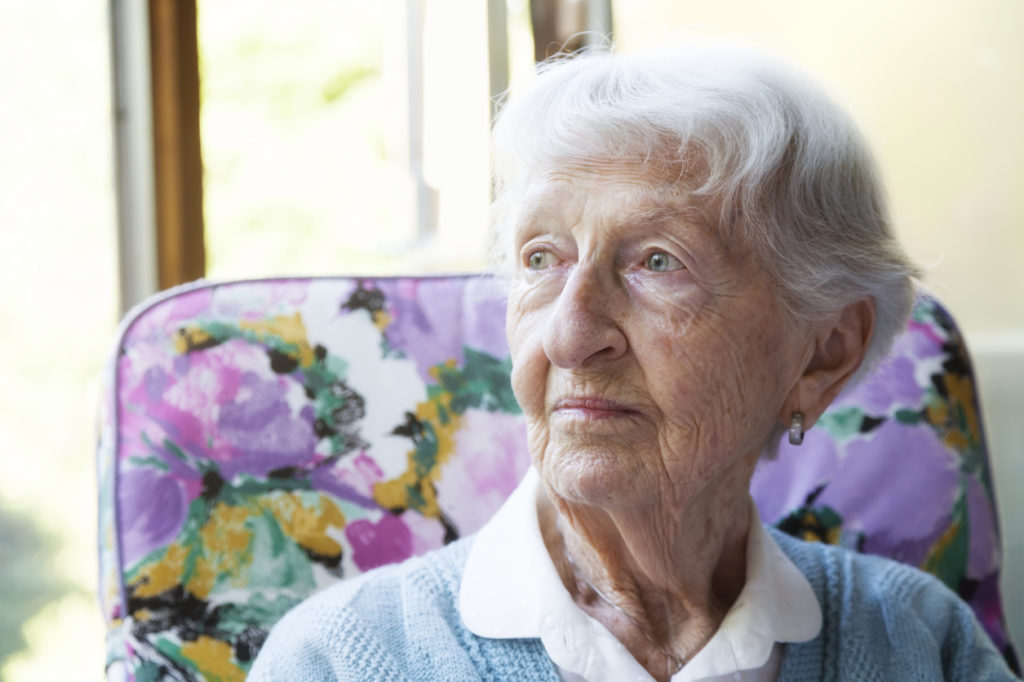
(263, 439)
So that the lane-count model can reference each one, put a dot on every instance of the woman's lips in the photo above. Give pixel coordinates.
(592, 408)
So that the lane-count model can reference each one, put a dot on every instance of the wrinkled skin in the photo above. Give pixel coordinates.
(652, 360)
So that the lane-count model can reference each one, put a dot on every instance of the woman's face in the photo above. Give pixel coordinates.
(651, 357)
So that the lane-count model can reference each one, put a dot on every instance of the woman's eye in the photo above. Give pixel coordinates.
(538, 260)
(659, 261)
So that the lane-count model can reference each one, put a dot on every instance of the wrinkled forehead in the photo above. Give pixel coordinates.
(635, 190)
(661, 156)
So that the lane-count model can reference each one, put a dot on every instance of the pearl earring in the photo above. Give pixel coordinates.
(796, 428)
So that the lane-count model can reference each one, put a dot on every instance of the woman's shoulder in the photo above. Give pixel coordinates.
(868, 586)
(889, 616)
(829, 566)
(437, 573)
(366, 618)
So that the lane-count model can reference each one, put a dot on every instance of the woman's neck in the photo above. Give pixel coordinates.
(660, 581)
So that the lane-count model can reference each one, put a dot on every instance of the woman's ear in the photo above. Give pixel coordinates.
(839, 347)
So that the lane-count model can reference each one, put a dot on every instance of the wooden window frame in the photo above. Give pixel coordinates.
(159, 170)
(178, 163)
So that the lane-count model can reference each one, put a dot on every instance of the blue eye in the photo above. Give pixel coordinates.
(538, 260)
(659, 261)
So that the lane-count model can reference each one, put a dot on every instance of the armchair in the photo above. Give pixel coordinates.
(263, 439)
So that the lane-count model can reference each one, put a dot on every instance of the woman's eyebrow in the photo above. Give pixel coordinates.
(654, 214)
(532, 216)
(688, 221)
(658, 215)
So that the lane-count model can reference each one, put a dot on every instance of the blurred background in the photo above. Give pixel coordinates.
(151, 142)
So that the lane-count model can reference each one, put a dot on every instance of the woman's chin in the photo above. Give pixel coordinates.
(601, 478)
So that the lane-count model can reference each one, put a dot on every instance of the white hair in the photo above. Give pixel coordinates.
(783, 166)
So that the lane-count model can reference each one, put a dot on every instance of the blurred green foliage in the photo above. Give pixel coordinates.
(28, 580)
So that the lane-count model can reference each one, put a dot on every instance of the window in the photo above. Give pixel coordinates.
(351, 137)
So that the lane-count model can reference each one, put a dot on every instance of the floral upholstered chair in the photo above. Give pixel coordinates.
(263, 439)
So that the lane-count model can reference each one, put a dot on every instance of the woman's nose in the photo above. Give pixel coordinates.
(581, 330)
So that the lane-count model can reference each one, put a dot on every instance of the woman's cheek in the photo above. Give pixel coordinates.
(679, 283)
(529, 363)
(678, 299)
(540, 286)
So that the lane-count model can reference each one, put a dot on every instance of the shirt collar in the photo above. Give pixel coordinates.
(510, 589)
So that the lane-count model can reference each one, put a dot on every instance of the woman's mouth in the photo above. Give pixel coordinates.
(591, 408)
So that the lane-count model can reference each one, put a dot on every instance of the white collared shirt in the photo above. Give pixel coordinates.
(510, 589)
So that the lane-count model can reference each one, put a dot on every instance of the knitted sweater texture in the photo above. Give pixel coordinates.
(882, 621)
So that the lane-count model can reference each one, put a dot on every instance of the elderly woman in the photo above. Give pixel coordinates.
(699, 261)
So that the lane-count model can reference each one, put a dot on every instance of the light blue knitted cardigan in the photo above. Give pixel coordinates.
(882, 621)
